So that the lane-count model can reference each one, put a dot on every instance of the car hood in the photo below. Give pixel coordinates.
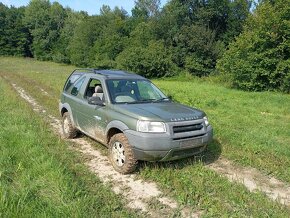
(164, 111)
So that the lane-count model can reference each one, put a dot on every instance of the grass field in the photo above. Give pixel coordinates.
(39, 176)
(251, 129)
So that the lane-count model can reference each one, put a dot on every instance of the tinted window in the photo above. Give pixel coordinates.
(71, 80)
(75, 90)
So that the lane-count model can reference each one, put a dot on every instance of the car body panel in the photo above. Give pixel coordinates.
(162, 111)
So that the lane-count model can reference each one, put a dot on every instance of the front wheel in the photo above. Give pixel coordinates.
(69, 131)
(121, 154)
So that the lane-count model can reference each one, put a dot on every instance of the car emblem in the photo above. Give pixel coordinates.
(184, 119)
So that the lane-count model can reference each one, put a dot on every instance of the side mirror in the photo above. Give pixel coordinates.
(96, 101)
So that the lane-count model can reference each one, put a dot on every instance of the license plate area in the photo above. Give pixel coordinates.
(191, 143)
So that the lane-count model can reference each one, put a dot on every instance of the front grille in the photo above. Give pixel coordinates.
(187, 128)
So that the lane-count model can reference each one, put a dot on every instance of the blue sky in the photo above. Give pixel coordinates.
(91, 6)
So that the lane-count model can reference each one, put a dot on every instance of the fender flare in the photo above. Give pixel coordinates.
(116, 124)
(68, 108)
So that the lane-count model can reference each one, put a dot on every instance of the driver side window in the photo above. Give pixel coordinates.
(94, 89)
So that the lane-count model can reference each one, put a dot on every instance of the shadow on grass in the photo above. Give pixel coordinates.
(209, 155)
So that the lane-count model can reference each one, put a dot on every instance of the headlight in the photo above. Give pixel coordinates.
(206, 121)
(148, 126)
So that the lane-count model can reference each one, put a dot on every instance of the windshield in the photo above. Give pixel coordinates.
(134, 91)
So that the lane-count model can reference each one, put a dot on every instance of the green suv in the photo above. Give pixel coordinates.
(132, 117)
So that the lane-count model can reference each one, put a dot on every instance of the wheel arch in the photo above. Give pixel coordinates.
(113, 128)
(66, 108)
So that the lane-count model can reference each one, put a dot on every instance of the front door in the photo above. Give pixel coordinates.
(92, 119)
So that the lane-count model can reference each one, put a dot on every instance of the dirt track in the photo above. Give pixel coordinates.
(139, 193)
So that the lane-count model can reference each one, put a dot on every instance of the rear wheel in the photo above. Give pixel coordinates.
(121, 154)
(69, 131)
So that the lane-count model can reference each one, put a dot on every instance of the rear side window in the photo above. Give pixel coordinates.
(75, 90)
(71, 80)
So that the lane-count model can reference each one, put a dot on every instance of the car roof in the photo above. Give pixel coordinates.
(110, 74)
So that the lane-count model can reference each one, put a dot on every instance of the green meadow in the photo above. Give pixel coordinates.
(40, 176)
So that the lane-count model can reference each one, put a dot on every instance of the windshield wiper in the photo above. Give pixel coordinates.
(140, 101)
(161, 99)
(146, 100)
(149, 100)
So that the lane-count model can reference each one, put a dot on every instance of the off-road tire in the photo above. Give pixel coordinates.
(68, 129)
(124, 162)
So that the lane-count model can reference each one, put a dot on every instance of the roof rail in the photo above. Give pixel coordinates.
(96, 71)
(103, 72)
(84, 69)
(110, 72)
(89, 70)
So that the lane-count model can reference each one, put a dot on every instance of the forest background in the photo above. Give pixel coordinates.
(242, 43)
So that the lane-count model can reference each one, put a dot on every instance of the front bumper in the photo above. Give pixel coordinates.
(162, 147)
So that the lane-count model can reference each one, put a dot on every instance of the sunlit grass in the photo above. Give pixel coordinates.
(253, 128)
(250, 128)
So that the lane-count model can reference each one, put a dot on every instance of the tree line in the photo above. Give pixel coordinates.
(199, 37)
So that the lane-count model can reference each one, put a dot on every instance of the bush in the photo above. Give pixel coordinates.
(150, 61)
(258, 59)
(283, 69)
(197, 66)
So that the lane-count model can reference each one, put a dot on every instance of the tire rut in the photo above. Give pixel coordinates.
(253, 180)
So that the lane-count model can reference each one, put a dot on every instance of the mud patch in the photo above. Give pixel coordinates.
(44, 92)
(253, 180)
(54, 122)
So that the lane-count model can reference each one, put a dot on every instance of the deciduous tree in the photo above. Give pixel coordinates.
(259, 58)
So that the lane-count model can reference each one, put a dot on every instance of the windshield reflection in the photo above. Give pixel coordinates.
(132, 91)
